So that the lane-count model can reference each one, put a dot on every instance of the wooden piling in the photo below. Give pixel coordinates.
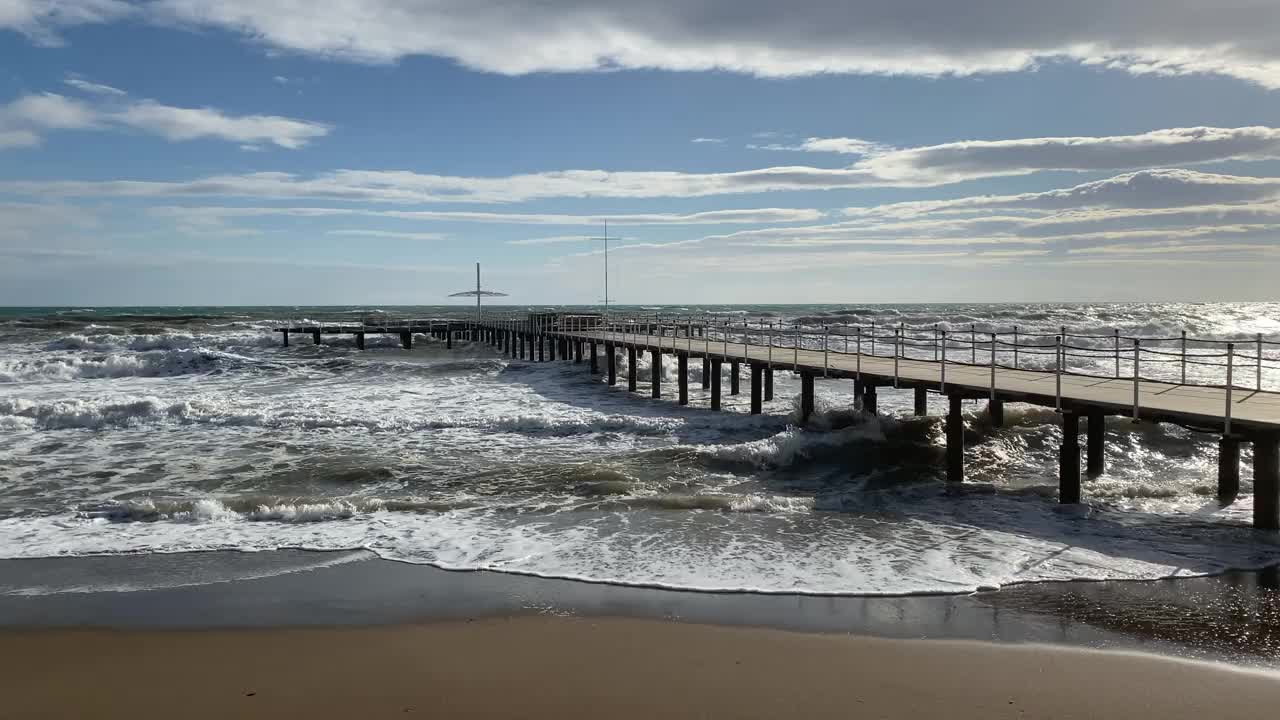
(655, 372)
(448, 338)
(734, 368)
(995, 411)
(552, 342)
(706, 373)
(714, 377)
(768, 384)
(631, 368)
(315, 337)
(682, 371)
(1228, 468)
(1069, 459)
(955, 439)
(359, 341)
(577, 351)
(870, 402)
(611, 353)
(806, 396)
(286, 338)
(757, 392)
(1266, 481)
(921, 402)
(406, 340)
(595, 362)
(1095, 443)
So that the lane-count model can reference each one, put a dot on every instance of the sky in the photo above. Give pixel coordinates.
(278, 152)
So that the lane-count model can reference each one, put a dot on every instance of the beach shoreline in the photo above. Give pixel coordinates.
(542, 666)
(1233, 618)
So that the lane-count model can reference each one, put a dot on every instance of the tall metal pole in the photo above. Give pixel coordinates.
(477, 293)
(606, 271)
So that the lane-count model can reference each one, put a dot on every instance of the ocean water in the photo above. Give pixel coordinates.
(156, 430)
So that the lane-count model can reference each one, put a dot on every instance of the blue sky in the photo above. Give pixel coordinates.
(183, 152)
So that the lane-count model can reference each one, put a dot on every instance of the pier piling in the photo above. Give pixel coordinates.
(1095, 457)
(714, 378)
(286, 338)
(655, 372)
(611, 353)
(734, 368)
(1266, 481)
(955, 439)
(360, 341)
(682, 370)
(921, 402)
(1069, 459)
(706, 373)
(869, 398)
(595, 362)
(995, 411)
(806, 396)
(406, 340)
(1228, 468)
(315, 337)
(768, 384)
(631, 368)
(757, 373)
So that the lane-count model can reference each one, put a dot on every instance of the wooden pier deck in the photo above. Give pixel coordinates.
(1236, 414)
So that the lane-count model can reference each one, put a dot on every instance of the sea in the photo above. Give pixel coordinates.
(179, 429)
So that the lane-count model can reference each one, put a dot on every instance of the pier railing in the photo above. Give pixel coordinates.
(1237, 363)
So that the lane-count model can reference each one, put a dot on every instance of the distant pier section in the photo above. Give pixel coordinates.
(1221, 386)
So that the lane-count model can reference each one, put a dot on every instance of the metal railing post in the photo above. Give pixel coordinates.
(826, 341)
(1057, 375)
(858, 357)
(1137, 374)
(795, 343)
(1231, 352)
(897, 339)
(1015, 347)
(1184, 357)
(993, 366)
(1258, 379)
(942, 385)
(973, 344)
(1115, 334)
(873, 337)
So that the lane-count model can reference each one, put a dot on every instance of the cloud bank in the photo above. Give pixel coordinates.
(759, 37)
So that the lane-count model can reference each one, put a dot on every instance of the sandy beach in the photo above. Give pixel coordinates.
(552, 667)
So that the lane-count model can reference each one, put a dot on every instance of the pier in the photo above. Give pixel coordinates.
(1207, 385)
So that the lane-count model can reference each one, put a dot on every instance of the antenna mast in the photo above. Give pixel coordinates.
(478, 293)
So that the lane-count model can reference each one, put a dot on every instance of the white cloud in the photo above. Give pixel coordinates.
(389, 234)
(24, 120)
(844, 145)
(915, 167)
(94, 88)
(39, 20)
(768, 38)
(178, 124)
(558, 239)
(707, 140)
(713, 217)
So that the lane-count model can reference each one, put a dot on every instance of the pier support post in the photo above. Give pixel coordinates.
(995, 411)
(706, 373)
(595, 361)
(921, 402)
(955, 439)
(406, 340)
(315, 337)
(611, 356)
(734, 368)
(806, 396)
(631, 368)
(542, 348)
(359, 341)
(768, 384)
(869, 398)
(1266, 481)
(1069, 460)
(714, 378)
(552, 342)
(1095, 438)
(448, 338)
(757, 392)
(577, 351)
(655, 372)
(682, 370)
(286, 338)
(1228, 468)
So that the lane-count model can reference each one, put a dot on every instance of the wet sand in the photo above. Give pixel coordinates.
(550, 667)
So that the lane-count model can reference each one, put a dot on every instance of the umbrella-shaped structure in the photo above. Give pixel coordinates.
(478, 293)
